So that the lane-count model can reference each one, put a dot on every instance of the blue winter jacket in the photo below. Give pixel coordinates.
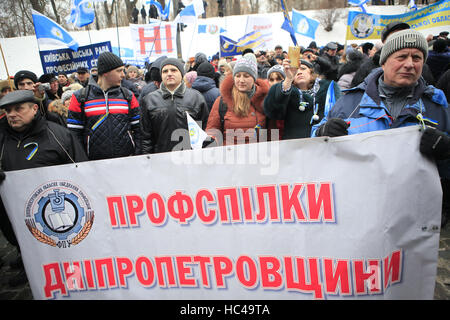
(207, 88)
(364, 109)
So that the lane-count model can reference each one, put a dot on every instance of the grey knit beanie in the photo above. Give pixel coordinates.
(108, 61)
(399, 40)
(276, 68)
(174, 62)
(247, 63)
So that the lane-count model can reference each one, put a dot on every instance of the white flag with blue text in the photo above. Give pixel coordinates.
(196, 134)
(49, 32)
(190, 13)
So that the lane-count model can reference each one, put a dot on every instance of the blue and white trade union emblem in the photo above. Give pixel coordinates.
(362, 25)
(59, 214)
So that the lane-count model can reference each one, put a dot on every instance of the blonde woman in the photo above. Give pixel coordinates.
(241, 97)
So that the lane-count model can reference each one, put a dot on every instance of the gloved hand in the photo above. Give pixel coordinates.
(435, 143)
(2, 175)
(334, 127)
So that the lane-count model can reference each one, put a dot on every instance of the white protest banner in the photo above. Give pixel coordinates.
(154, 40)
(343, 218)
(263, 25)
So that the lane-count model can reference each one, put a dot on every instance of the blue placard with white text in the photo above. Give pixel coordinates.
(68, 61)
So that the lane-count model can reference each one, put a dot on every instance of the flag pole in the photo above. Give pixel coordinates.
(117, 28)
(154, 39)
(192, 39)
(6, 68)
(89, 33)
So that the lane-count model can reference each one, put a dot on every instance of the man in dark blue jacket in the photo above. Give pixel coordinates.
(104, 115)
(206, 83)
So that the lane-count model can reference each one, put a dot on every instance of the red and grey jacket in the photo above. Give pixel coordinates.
(106, 123)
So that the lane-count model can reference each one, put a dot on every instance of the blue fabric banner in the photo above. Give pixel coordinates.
(66, 60)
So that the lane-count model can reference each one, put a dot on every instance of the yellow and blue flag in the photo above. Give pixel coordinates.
(287, 24)
(250, 40)
(229, 47)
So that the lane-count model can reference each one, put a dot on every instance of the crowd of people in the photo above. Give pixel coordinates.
(118, 110)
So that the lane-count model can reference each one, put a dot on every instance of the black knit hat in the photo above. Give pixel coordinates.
(174, 62)
(206, 69)
(24, 74)
(108, 61)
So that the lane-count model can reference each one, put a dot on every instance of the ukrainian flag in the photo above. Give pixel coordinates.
(250, 40)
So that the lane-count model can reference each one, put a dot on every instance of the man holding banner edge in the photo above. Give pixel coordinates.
(396, 95)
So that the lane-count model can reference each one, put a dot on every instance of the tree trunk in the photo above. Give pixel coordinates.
(55, 12)
(130, 4)
(97, 23)
(108, 13)
(38, 5)
(236, 7)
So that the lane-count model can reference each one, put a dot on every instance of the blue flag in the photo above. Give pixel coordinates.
(287, 24)
(82, 13)
(228, 47)
(358, 3)
(412, 5)
(190, 13)
(49, 32)
(163, 13)
(304, 25)
(330, 99)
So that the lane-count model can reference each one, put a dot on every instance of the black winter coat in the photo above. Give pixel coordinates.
(162, 113)
(107, 125)
(48, 137)
(282, 105)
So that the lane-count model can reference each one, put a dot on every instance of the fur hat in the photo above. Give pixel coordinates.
(247, 63)
(399, 40)
(108, 61)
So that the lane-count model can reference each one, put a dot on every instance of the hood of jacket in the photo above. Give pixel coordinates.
(261, 90)
(203, 84)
